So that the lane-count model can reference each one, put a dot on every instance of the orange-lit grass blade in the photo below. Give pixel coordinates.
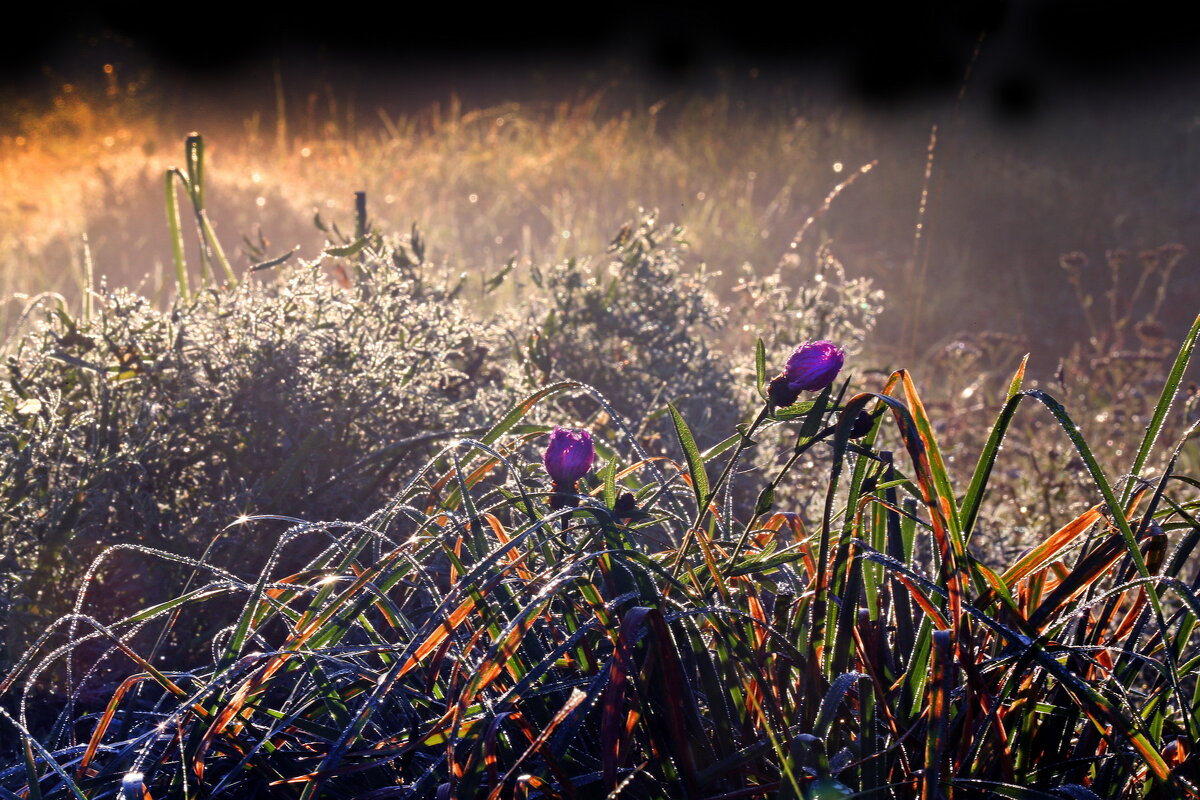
(151, 674)
(1052, 547)
(940, 509)
(257, 683)
(105, 720)
(870, 642)
(538, 745)
(626, 682)
(261, 680)
(502, 651)
(940, 665)
(1155, 548)
(706, 548)
(936, 465)
(615, 711)
(911, 582)
(1084, 574)
(503, 538)
(781, 519)
(1106, 718)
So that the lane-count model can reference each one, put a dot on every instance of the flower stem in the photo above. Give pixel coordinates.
(702, 511)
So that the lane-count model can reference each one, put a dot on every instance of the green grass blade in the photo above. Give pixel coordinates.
(692, 455)
(972, 500)
(175, 229)
(1165, 399)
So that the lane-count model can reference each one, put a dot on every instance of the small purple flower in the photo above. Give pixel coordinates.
(569, 456)
(811, 368)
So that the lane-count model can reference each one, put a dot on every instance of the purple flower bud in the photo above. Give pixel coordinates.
(811, 368)
(814, 365)
(568, 456)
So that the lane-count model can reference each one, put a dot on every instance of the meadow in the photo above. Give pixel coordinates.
(551, 493)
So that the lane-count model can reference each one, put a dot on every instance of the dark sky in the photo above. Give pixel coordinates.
(886, 53)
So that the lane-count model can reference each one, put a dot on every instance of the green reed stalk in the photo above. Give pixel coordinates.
(176, 231)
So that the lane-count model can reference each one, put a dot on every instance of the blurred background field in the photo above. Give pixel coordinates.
(542, 165)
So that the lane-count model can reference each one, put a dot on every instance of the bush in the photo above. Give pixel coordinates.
(641, 330)
(311, 396)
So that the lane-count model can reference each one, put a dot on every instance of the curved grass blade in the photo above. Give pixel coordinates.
(692, 455)
(1165, 399)
(987, 459)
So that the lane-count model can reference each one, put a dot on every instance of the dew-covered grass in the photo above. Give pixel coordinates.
(285, 529)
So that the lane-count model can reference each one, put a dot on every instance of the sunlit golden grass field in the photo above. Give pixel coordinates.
(742, 169)
(542, 181)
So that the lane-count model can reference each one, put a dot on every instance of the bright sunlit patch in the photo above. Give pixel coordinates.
(566, 234)
(474, 198)
(260, 201)
(305, 152)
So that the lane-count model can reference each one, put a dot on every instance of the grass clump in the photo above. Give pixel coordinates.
(654, 638)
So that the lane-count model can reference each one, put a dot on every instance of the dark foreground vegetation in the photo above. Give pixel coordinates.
(306, 533)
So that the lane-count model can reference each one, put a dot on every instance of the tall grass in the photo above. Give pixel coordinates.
(661, 640)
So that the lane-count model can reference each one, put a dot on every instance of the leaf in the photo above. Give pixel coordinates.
(274, 262)
(692, 455)
(1052, 547)
(349, 250)
(608, 478)
(794, 411)
(832, 700)
(812, 420)
(765, 500)
(760, 369)
(493, 283)
(1165, 399)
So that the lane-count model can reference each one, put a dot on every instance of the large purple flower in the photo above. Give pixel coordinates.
(569, 456)
(811, 368)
